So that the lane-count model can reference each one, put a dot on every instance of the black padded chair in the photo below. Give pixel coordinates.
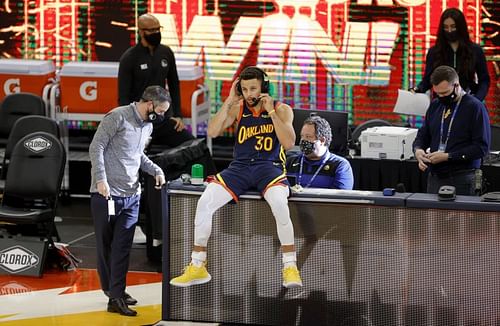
(356, 133)
(22, 127)
(15, 106)
(32, 185)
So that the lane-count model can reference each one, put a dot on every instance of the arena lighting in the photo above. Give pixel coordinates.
(305, 38)
(346, 55)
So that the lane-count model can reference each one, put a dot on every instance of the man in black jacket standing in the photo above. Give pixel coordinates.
(146, 64)
(151, 63)
(454, 137)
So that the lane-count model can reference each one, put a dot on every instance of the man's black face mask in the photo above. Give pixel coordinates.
(448, 99)
(307, 147)
(155, 118)
(153, 39)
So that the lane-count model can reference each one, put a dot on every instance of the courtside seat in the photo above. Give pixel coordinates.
(32, 185)
(22, 127)
(15, 106)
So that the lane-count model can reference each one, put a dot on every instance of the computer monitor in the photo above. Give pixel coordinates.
(338, 121)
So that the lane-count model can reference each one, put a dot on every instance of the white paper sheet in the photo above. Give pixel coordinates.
(411, 103)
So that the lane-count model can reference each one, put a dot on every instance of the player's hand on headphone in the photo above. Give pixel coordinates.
(267, 102)
(179, 124)
(234, 94)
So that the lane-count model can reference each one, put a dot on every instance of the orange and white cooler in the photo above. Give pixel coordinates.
(195, 98)
(89, 88)
(190, 79)
(19, 75)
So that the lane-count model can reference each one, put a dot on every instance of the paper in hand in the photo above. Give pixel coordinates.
(411, 103)
(111, 207)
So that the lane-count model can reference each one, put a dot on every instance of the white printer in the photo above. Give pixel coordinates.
(388, 142)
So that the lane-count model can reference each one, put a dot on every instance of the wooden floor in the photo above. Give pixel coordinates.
(74, 297)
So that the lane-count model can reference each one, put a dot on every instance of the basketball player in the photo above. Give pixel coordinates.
(264, 131)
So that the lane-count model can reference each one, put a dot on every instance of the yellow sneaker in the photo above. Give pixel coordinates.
(192, 275)
(291, 277)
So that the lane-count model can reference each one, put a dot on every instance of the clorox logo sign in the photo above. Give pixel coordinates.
(13, 287)
(17, 259)
(38, 144)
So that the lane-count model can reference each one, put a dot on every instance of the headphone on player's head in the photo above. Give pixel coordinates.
(255, 70)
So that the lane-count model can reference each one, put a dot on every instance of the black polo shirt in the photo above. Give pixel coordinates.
(140, 69)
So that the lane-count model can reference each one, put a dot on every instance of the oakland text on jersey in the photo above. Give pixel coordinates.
(247, 132)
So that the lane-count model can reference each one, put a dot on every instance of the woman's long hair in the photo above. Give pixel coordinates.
(466, 66)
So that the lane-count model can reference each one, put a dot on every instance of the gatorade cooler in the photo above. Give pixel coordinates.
(89, 87)
(189, 78)
(18, 75)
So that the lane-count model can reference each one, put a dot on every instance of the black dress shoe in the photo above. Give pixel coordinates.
(126, 297)
(119, 306)
(129, 300)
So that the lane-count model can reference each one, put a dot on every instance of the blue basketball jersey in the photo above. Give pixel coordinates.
(256, 138)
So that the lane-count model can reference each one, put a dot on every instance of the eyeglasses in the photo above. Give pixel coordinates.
(153, 29)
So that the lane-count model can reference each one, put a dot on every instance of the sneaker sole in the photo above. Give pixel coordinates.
(292, 285)
(193, 282)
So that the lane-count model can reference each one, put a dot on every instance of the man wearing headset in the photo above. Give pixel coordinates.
(116, 155)
(264, 132)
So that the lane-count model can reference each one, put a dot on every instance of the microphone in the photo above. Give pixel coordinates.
(400, 187)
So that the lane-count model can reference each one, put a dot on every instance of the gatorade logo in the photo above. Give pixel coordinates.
(12, 85)
(88, 90)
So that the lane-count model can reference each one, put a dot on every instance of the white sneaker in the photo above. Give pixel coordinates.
(139, 236)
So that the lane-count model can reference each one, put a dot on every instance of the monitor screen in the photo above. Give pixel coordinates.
(338, 121)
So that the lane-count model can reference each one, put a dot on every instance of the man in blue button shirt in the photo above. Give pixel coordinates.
(454, 137)
(315, 166)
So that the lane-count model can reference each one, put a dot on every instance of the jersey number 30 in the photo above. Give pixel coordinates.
(265, 143)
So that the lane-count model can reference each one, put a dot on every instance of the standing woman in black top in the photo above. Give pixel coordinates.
(455, 49)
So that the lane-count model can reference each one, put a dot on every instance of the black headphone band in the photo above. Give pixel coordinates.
(265, 78)
(264, 75)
